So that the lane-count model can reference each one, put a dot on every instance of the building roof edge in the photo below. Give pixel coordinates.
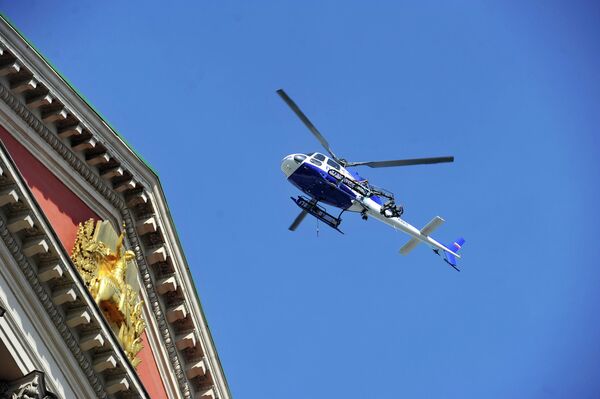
(79, 94)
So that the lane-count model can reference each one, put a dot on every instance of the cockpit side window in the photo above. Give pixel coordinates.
(333, 164)
(320, 157)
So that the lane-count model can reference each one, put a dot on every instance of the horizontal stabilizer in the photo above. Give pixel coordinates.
(428, 229)
(432, 226)
(409, 246)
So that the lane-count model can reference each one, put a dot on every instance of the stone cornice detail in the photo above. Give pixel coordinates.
(30, 386)
(65, 152)
(154, 302)
(102, 188)
(90, 147)
(65, 299)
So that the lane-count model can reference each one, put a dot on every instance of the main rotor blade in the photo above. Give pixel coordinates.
(298, 220)
(402, 162)
(306, 121)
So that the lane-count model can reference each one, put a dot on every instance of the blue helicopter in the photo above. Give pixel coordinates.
(326, 179)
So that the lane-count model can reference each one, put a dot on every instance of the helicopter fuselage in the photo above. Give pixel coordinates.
(322, 179)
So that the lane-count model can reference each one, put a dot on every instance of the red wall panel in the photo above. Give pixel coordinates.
(64, 210)
(148, 371)
(61, 206)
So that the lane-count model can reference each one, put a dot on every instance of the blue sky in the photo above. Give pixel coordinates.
(511, 89)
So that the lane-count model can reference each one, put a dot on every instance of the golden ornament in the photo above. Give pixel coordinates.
(109, 278)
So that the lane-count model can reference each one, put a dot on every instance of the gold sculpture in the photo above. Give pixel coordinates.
(105, 273)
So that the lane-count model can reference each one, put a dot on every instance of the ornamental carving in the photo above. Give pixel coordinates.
(31, 386)
(110, 274)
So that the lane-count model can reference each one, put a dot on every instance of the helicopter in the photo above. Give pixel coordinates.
(326, 179)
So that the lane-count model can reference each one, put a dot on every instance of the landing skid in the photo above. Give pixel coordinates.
(311, 206)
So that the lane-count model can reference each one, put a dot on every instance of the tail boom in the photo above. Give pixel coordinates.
(417, 235)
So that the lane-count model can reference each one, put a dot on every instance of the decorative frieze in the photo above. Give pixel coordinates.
(31, 386)
(84, 151)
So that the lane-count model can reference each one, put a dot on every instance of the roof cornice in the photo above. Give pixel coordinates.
(76, 132)
(57, 284)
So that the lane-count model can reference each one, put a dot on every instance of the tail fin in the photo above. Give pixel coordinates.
(455, 246)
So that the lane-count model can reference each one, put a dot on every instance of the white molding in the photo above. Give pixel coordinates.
(160, 353)
(32, 344)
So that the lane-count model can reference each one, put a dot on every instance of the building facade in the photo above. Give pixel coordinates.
(96, 297)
